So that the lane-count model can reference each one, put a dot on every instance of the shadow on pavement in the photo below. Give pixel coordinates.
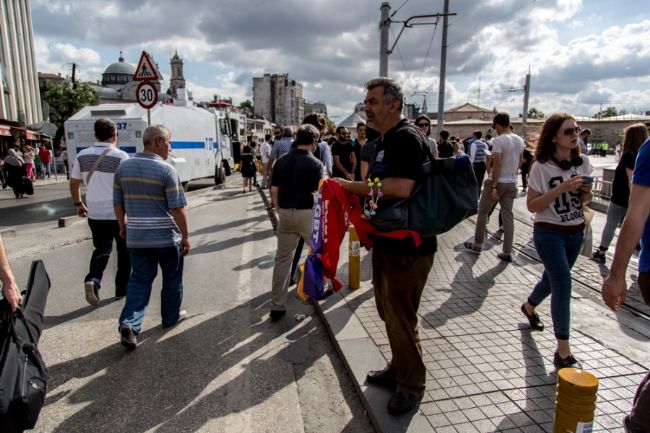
(199, 378)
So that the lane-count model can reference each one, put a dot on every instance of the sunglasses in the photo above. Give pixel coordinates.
(421, 124)
(571, 131)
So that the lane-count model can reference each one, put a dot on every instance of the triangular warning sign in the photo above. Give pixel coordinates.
(146, 69)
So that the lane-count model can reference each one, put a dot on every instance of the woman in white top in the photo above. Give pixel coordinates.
(558, 188)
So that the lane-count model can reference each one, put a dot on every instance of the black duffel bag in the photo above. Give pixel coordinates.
(23, 374)
(445, 195)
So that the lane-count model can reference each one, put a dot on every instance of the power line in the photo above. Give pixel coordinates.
(397, 10)
(435, 27)
(398, 51)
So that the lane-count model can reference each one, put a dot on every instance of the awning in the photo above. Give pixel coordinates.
(29, 135)
(5, 130)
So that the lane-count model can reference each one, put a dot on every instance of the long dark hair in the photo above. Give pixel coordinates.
(635, 136)
(545, 146)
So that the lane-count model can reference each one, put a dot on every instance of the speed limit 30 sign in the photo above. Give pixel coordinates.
(146, 95)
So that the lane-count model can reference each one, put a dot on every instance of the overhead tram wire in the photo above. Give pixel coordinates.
(397, 10)
(433, 36)
(398, 51)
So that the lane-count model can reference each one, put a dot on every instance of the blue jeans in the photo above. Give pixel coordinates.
(145, 263)
(558, 251)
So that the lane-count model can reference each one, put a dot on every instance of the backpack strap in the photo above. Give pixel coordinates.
(95, 165)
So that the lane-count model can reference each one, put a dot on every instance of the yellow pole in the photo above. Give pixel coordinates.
(354, 262)
(575, 402)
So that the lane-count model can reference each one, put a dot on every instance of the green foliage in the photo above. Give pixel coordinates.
(608, 112)
(534, 113)
(329, 124)
(246, 104)
(67, 99)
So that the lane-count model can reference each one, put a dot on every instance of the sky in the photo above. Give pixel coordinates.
(582, 55)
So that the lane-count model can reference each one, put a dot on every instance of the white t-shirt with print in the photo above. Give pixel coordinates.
(510, 146)
(566, 209)
(265, 151)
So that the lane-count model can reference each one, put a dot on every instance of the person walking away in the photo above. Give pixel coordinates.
(635, 227)
(45, 155)
(478, 153)
(500, 186)
(95, 166)
(247, 167)
(526, 162)
(399, 270)
(265, 154)
(150, 207)
(558, 190)
(281, 146)
(445, 146)
(635, 136)
(294, 181)
(15, 170)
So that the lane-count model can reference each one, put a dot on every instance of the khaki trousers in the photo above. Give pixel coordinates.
(398, 282)
(507, 194)
(293, 224)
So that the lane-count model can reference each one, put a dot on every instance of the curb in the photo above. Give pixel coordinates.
(8, 233)
(359, 355)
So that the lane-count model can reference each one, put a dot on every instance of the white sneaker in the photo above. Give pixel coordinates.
(92, 293)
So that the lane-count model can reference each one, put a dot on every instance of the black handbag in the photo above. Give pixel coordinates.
(446, 195)
(27, 186)
(23, 374)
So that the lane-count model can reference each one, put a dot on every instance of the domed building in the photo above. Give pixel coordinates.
(118, 74)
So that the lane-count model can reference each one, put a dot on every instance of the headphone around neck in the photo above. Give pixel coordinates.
(565, 164)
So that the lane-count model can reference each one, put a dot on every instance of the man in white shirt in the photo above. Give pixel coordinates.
(96, 167)
(265, 153)
(500, 186)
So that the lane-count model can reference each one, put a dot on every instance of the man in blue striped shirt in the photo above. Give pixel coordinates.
(150, 208)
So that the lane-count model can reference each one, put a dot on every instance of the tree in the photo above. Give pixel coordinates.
(534, 113)
(330, 124)
(608, 112)
(66, 99)
(247, 104)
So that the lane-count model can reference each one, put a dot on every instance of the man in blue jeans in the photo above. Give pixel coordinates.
(635, 226)
(150, 208)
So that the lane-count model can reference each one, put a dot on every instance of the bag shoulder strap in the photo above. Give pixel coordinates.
(95, 165)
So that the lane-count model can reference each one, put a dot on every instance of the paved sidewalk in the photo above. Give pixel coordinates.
(486, 370)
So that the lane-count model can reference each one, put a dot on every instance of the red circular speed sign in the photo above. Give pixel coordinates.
(146, 94)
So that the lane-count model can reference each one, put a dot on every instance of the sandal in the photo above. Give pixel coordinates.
(472, 248)
(505, 257)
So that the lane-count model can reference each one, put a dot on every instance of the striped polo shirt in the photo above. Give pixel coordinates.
(148, 188)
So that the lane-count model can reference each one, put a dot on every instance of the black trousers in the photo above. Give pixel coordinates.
(104, 233)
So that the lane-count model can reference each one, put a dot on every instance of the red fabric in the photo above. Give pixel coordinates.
(339, 209)
(44, 155)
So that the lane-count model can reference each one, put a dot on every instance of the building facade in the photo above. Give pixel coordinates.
(177, 80)
(20, 101)
(278, 99)
(315, 107)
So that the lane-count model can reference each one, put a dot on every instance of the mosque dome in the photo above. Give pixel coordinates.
(118, 74)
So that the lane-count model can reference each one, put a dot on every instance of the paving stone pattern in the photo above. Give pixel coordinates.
(487, 371)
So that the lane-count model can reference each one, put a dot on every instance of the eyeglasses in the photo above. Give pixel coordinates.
(421, 124)
(571, 131)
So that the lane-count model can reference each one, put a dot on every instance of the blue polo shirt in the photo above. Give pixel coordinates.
(148, 188)
(641, 177)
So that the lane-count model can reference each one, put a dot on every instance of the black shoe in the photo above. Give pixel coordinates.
(292, 282)
(182, 315)
(383, 378)
(128, 338)
(277, 315)
(629, 426)
(533, 319)
(91, 291)
(401, 403)
(568, 362)
(599, 256)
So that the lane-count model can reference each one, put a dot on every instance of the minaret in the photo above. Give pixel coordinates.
(177, 81)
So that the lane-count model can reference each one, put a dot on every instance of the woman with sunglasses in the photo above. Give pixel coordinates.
(558, 188)
(424, 123)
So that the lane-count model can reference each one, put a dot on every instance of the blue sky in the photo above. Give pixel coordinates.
(581, 53)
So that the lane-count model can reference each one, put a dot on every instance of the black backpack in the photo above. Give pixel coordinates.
(23, 374)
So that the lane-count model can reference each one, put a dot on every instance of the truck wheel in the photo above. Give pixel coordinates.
(219, 176)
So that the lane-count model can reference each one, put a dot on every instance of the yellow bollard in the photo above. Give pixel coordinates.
(575, 401)
(354, 262)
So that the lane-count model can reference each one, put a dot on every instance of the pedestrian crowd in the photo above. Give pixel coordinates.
(23, 165)
(138, 204)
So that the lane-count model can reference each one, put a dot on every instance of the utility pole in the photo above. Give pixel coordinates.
(384, 26)
(524, 115)
(74, 75)
(443, 70)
